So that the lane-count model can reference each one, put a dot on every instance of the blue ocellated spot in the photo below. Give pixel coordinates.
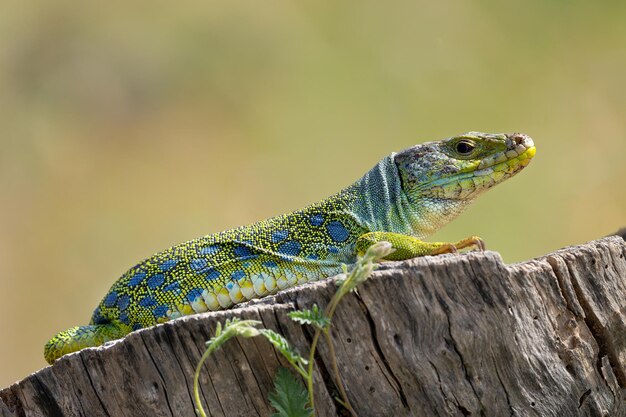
(242, 251)
(280, 235)
(137, 326)
(246, 265)
(136, 279)
(209, 250)
(194, 294)
(212, 274)
(333, 249)
(238, 274)
(291, 248)
(337, 231)
(168, 264)
(123, 301)
(111, 299)
(198, 264)
(172, 286)
(317, 220)
(229, 285)
(97, 317)
(124, 317)
(160, 311)
(147, 301)
(270, 264)
(155, 281)
(312, 256)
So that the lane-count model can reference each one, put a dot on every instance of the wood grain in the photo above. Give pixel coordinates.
(453, 335)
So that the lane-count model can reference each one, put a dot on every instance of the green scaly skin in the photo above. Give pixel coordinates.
(405, 197)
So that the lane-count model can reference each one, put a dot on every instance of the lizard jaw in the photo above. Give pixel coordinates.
(520, 148)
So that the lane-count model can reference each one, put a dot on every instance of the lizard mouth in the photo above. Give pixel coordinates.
(520, 150)
(490, 171)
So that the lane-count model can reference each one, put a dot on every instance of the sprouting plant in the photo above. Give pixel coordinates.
(290, 398)
(232, 328)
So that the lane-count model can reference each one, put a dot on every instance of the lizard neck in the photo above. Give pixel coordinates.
(382, 205)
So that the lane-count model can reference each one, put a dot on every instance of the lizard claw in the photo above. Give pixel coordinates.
(461, 244)
(471, 241)
(446, 248)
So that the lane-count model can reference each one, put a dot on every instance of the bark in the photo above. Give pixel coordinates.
(452, 335)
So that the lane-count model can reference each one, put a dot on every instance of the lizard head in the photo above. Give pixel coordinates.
(441, 178)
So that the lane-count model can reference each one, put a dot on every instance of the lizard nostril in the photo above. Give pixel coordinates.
(518, 138)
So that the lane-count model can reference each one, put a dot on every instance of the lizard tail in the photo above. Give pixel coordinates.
(80, 337)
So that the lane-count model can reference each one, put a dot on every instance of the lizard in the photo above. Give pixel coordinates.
(405, 197)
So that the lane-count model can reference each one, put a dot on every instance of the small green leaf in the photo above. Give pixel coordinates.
(365, 266)
(282, 345)
(290, 398)
(314, 317)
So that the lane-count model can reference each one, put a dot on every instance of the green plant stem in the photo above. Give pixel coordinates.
(332, 306)
(338, 381)
(330, 310)
(298, 368)
(196, 381)
(309, 380)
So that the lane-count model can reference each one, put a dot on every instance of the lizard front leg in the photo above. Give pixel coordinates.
(407, 247)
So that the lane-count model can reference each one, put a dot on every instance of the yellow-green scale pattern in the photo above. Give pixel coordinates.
(403, 198)
(216, 271)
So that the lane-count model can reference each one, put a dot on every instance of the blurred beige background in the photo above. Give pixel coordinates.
(131, 127)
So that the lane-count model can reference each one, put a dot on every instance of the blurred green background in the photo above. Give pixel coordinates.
(130, 127)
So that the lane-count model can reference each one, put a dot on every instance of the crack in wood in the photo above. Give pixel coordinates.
(603, 339)
(163, 380)
(93, 387)
(455, 347)
(506, 392)
(379, 351)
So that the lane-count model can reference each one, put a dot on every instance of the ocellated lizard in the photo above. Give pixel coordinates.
(405, 197)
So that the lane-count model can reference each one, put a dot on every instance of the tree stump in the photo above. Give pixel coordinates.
(452, 335)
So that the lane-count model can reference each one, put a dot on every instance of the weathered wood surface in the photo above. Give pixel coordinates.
(451, 335)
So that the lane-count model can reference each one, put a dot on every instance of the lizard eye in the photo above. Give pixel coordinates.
(464, 147)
